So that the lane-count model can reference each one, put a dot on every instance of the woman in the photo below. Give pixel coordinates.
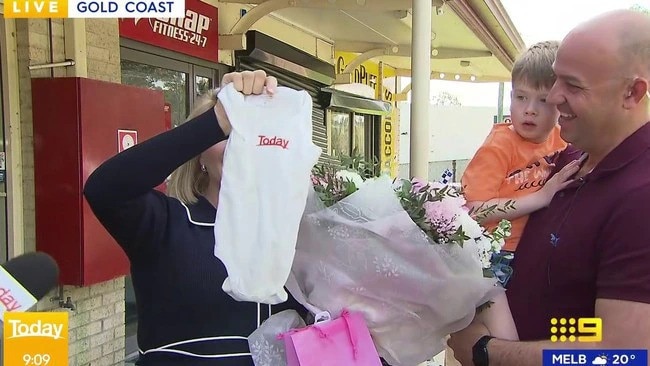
(184, 317)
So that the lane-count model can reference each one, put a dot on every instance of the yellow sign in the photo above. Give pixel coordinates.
(389, 127)
(36, 339)
(367, 73)
(373, 74)
(36, 8)
(581, 330)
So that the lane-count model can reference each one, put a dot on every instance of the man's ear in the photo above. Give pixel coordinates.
(635, 93)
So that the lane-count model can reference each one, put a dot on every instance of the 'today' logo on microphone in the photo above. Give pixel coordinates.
(13, 296)
(36, 338)
(94, 8)
(8, 300)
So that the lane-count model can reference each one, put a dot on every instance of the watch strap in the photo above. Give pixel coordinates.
(479, 351)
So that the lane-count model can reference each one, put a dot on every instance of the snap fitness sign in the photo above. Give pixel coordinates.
(194, 33)
(93, 8)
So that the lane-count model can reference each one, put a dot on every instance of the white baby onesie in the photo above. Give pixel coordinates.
(266, 178)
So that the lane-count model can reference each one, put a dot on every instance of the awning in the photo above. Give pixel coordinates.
(354, 103)
(282, 56)
(472, 40)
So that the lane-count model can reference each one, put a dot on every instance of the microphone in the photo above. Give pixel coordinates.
(26, 279)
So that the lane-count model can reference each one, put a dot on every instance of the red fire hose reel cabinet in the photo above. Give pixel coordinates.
(78, 124)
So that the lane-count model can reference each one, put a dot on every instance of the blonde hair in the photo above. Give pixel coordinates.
(188, 181)
(535, 66)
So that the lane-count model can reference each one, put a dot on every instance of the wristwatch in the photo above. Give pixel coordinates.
(480, 352)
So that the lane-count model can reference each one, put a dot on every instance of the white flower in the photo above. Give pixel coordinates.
(470, 226)
(485, 250)
(351, 176)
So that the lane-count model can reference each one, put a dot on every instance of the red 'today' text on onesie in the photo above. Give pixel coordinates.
(273, 141)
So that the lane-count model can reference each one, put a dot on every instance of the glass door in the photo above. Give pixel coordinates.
(340, 134)
(173, 83)
(181, 82)
(204, 79)
(4, 235)
(173, 79)
(352, 134)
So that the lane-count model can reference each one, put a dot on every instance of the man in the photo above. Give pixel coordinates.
(588, 253)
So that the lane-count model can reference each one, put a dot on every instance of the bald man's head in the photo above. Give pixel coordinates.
(620, 34)
(602, 71)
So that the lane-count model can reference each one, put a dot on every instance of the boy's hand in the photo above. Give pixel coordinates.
(560, 180)
(246, 82)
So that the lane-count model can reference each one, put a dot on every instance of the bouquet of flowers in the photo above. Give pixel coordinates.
(406, 254)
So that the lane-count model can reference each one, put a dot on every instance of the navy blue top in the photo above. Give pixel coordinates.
(176, 277)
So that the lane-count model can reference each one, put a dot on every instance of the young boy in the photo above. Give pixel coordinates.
(514, 162)
(516, 158)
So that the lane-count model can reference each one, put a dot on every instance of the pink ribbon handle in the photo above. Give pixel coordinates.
(346, 317)
(345, 314)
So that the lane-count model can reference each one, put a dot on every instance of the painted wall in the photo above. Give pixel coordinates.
(456, 132)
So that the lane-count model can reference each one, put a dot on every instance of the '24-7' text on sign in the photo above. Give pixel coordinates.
(94, 8)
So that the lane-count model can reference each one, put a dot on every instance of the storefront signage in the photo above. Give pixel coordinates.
(373, 74)
(389, 147)
(367, 73)
(196, 35)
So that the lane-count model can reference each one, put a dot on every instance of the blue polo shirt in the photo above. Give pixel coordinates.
(591, 242)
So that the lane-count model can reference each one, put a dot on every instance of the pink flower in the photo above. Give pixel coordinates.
(418, 184)
(319, 181)
(458, 202)
(315, 180)
(442, 215)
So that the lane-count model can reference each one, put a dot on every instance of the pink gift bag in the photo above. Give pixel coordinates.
(344, 341)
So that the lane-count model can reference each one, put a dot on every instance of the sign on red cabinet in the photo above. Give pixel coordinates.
(126, 139)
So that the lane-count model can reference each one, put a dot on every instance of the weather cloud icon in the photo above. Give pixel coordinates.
(599, 360)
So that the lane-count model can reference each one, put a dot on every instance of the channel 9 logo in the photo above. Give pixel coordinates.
(572, 330)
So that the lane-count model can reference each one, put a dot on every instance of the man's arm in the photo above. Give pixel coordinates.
(626, 325)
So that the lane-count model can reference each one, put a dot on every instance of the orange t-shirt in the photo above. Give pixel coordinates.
(507, 166)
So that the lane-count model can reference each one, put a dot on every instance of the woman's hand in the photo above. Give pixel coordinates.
(246, 82)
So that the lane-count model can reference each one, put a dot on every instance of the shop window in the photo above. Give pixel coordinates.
(352, 134)
(359, 135)
(172, 83)
(340, 134)
(202, 85)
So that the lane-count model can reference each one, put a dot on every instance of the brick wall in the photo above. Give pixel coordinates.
(97, 320)
(103, 42)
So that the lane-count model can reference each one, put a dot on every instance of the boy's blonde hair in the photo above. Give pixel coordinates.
(535, 66)
(188, 181)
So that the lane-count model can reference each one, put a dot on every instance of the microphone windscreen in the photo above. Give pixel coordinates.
(37, 272)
